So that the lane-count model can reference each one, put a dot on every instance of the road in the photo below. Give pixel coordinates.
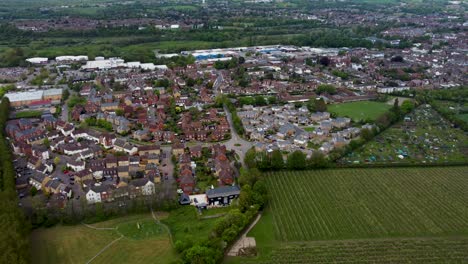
(64, 114)
(169, 184)
(237, 143)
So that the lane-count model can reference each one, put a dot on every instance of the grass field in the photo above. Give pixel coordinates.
(28, 114)
(143, 241)
(186, 225)
(380, 215)
(359, 110)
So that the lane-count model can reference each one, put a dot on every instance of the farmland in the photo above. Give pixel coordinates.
(422, 250)
(424, 137)
(138, 239)
(364, 110)
(365, 215)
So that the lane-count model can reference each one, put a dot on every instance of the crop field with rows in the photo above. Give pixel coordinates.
(378, 215)
(425, 250)
(369, 203)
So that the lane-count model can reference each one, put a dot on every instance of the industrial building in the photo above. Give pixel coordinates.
(51, 96)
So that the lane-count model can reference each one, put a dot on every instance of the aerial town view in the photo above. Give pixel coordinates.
(240, 131)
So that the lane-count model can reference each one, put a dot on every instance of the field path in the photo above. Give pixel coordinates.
(99, 228)
(241, 242)
(163, 225)
(103, 249)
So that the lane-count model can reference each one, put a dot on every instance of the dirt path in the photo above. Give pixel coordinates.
(244, 241)
(104, 249)
(163, 225)
(99, 228)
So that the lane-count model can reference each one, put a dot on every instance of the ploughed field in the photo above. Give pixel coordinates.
(377, 215)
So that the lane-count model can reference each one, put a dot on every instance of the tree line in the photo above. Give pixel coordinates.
(275, 160)
(227, 229)
(14, 228)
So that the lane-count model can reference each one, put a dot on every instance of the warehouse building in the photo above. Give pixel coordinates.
(28, 98)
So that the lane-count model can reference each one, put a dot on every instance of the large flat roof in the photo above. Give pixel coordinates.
(24, 96)
(32, 95)
(55, 91)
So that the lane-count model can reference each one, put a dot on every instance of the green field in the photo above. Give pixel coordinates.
(380, 215)
(186, 225)
(463, 117)
(364, 110)
(28, 114)
(143, 241)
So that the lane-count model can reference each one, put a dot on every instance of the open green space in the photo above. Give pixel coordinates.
(463, 117)
(143, 241)
(28, 114)
(186, 225)
(363, 110)
(424, 137)
(394, 215)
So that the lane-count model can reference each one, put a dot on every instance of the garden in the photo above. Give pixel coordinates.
(423, 136)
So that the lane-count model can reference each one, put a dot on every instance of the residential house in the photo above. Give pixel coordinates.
(222, 195)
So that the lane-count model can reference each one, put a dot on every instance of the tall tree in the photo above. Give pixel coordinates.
(277, 161)
(296, 160)
(250, 158)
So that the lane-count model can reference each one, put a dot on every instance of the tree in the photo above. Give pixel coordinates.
(263, 160)
(277, 162)
(367, 134)
(260, 100)
(407, 106)
(320, 105)
(56, 160)
(296, 160)
(317, 160)
(250, 158)
(65, 94)
(326, 88)
(201, 255)
(33, 191)
(246, 198)
(119, 112)
(317, 105)
(247, 177)
(46, 142)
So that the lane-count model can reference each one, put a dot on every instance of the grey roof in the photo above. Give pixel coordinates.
(223, 191)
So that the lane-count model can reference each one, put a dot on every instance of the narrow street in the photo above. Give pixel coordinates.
(237, 143)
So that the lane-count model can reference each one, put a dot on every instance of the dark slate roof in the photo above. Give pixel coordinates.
(223, 191)
(184, 199)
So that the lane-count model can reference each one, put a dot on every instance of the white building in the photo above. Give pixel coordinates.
(93, 197)
(37, 60)
(76, 165)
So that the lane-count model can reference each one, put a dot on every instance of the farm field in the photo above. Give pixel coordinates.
(137, 239)
(364, 110)
(420, 250)
(389, 215)
(425, 137)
